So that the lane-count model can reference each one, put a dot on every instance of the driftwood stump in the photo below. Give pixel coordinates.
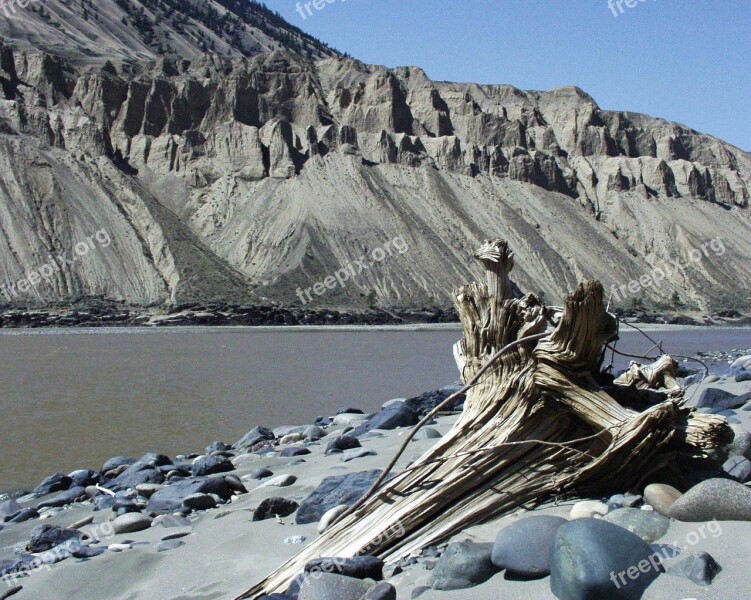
(535, 426)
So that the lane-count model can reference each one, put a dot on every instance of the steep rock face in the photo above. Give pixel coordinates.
(276, 171)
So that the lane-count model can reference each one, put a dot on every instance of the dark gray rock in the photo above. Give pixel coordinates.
(328, 586)
(260, 474)
(199, 501)
(649, 525)
(700, 568)
(425, 403)
(54, 483)
(25, 514)
(381, 591)
(217, 447)
(313, 433)
(273, 507)
(210, 465)
(359, 567)
(738, 467)
(419, 591)
(11, 591)
(624, 501)
(523, 547)
(253, 437)
(333, 491)
(170, 498)
(349, 411)
(294, 451)
(342, 443)
(64, 498)
(46, 537)
(233, 481)
(592, 559)
(170, 521)
(427, 433)
(391, 417)
(721, 499)
(144, 470)
(463, 565)
(84, 478)
(717, 398)
(9, 509)
(78, 550)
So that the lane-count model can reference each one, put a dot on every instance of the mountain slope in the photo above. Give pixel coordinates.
(273, 171)
(88, 32)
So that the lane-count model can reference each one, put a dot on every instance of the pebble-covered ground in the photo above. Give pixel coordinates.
(210, 525)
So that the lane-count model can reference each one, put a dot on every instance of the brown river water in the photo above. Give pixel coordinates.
(73, 398)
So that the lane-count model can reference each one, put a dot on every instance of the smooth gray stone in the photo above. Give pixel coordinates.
(328, 586)
(592, 558)
(720, 499)
(167, 545)
(524, 547)
(463, 565)
(649, 525)
(131, 522)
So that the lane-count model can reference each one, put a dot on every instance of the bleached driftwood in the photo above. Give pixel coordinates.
(535, 426)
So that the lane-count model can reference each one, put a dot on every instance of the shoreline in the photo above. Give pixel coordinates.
(214, 551)
(405, 327)
(102, 314)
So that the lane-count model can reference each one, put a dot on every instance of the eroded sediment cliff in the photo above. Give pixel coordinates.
(270, 169)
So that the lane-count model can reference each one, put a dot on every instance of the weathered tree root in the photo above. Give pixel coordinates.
(535, 426)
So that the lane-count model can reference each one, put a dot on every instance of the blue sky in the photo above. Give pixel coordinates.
(683, 60)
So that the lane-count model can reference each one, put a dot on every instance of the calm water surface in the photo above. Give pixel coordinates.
(73, 398)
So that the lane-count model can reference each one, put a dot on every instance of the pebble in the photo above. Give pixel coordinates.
(170, 521)
(148, 489)
(131, 522)
(720, 499)
(82, 522)
(210, 465)
(357, 453)
(200, 501)
(523, 547)
(259, 474)
(294, 451)
(381, 591)
(427, 433)
(587, 509)
(279, 481)
(119, 547)
(313, 433)
(234, 483)
(291, 438)
(175, 536)
(700, 568)
(342, 443)
(167, 545)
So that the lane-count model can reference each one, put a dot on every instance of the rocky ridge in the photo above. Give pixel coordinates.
(264, 172)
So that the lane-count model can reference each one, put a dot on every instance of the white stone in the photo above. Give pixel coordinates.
(588, 509)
